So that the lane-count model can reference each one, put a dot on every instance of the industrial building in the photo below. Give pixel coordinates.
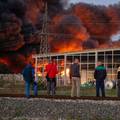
(88, 61)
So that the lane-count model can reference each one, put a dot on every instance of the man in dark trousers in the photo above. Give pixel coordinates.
(52, 71)
(118, 82)
(100, 75)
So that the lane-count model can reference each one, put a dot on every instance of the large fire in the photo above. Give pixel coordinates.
(68, 47)
(82, 26)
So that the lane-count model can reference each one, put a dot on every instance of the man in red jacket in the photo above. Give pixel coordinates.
(51, 70)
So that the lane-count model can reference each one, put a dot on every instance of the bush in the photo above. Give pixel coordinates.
(41, 84)
(90, 84)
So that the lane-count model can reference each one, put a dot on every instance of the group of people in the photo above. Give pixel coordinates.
(99, 74)
(30, 79)
(51, 71)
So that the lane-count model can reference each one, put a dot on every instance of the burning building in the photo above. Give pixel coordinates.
(81, 26)
(88, 61)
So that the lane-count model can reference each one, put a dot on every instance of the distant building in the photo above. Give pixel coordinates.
(88, 60)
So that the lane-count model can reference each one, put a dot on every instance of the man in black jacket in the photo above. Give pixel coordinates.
(100, 75)
(118, 82)
(75, 77)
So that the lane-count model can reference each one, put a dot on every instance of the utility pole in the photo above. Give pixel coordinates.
(44, 44)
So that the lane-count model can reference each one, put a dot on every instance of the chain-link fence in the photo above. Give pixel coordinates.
(14, 84)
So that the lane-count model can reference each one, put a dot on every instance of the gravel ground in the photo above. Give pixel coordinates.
(55, 109)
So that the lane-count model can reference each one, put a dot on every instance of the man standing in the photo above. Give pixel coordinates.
(75, 77)
(100, 75)
(118, 82)
(28, 77)
(51, 70)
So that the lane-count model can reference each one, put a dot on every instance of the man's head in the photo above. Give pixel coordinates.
(76, 60)
(30, 61)
(99, 63)
(53, 60)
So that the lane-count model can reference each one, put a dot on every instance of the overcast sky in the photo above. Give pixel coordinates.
(97, 2)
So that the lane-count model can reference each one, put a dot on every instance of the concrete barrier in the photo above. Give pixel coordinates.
(11, 83)
(11, 77)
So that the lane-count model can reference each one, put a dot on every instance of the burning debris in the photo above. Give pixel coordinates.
(82, 26)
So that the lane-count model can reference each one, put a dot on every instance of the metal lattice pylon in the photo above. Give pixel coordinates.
(44, 44)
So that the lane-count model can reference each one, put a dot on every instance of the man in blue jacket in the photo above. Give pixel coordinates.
(100, 75)
(28, 77)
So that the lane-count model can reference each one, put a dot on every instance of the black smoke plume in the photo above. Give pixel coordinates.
(82, 26)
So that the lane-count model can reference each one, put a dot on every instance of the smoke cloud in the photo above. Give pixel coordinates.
(82, 26)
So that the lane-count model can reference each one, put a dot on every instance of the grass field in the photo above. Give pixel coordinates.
(17, 87)
(83, 92)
